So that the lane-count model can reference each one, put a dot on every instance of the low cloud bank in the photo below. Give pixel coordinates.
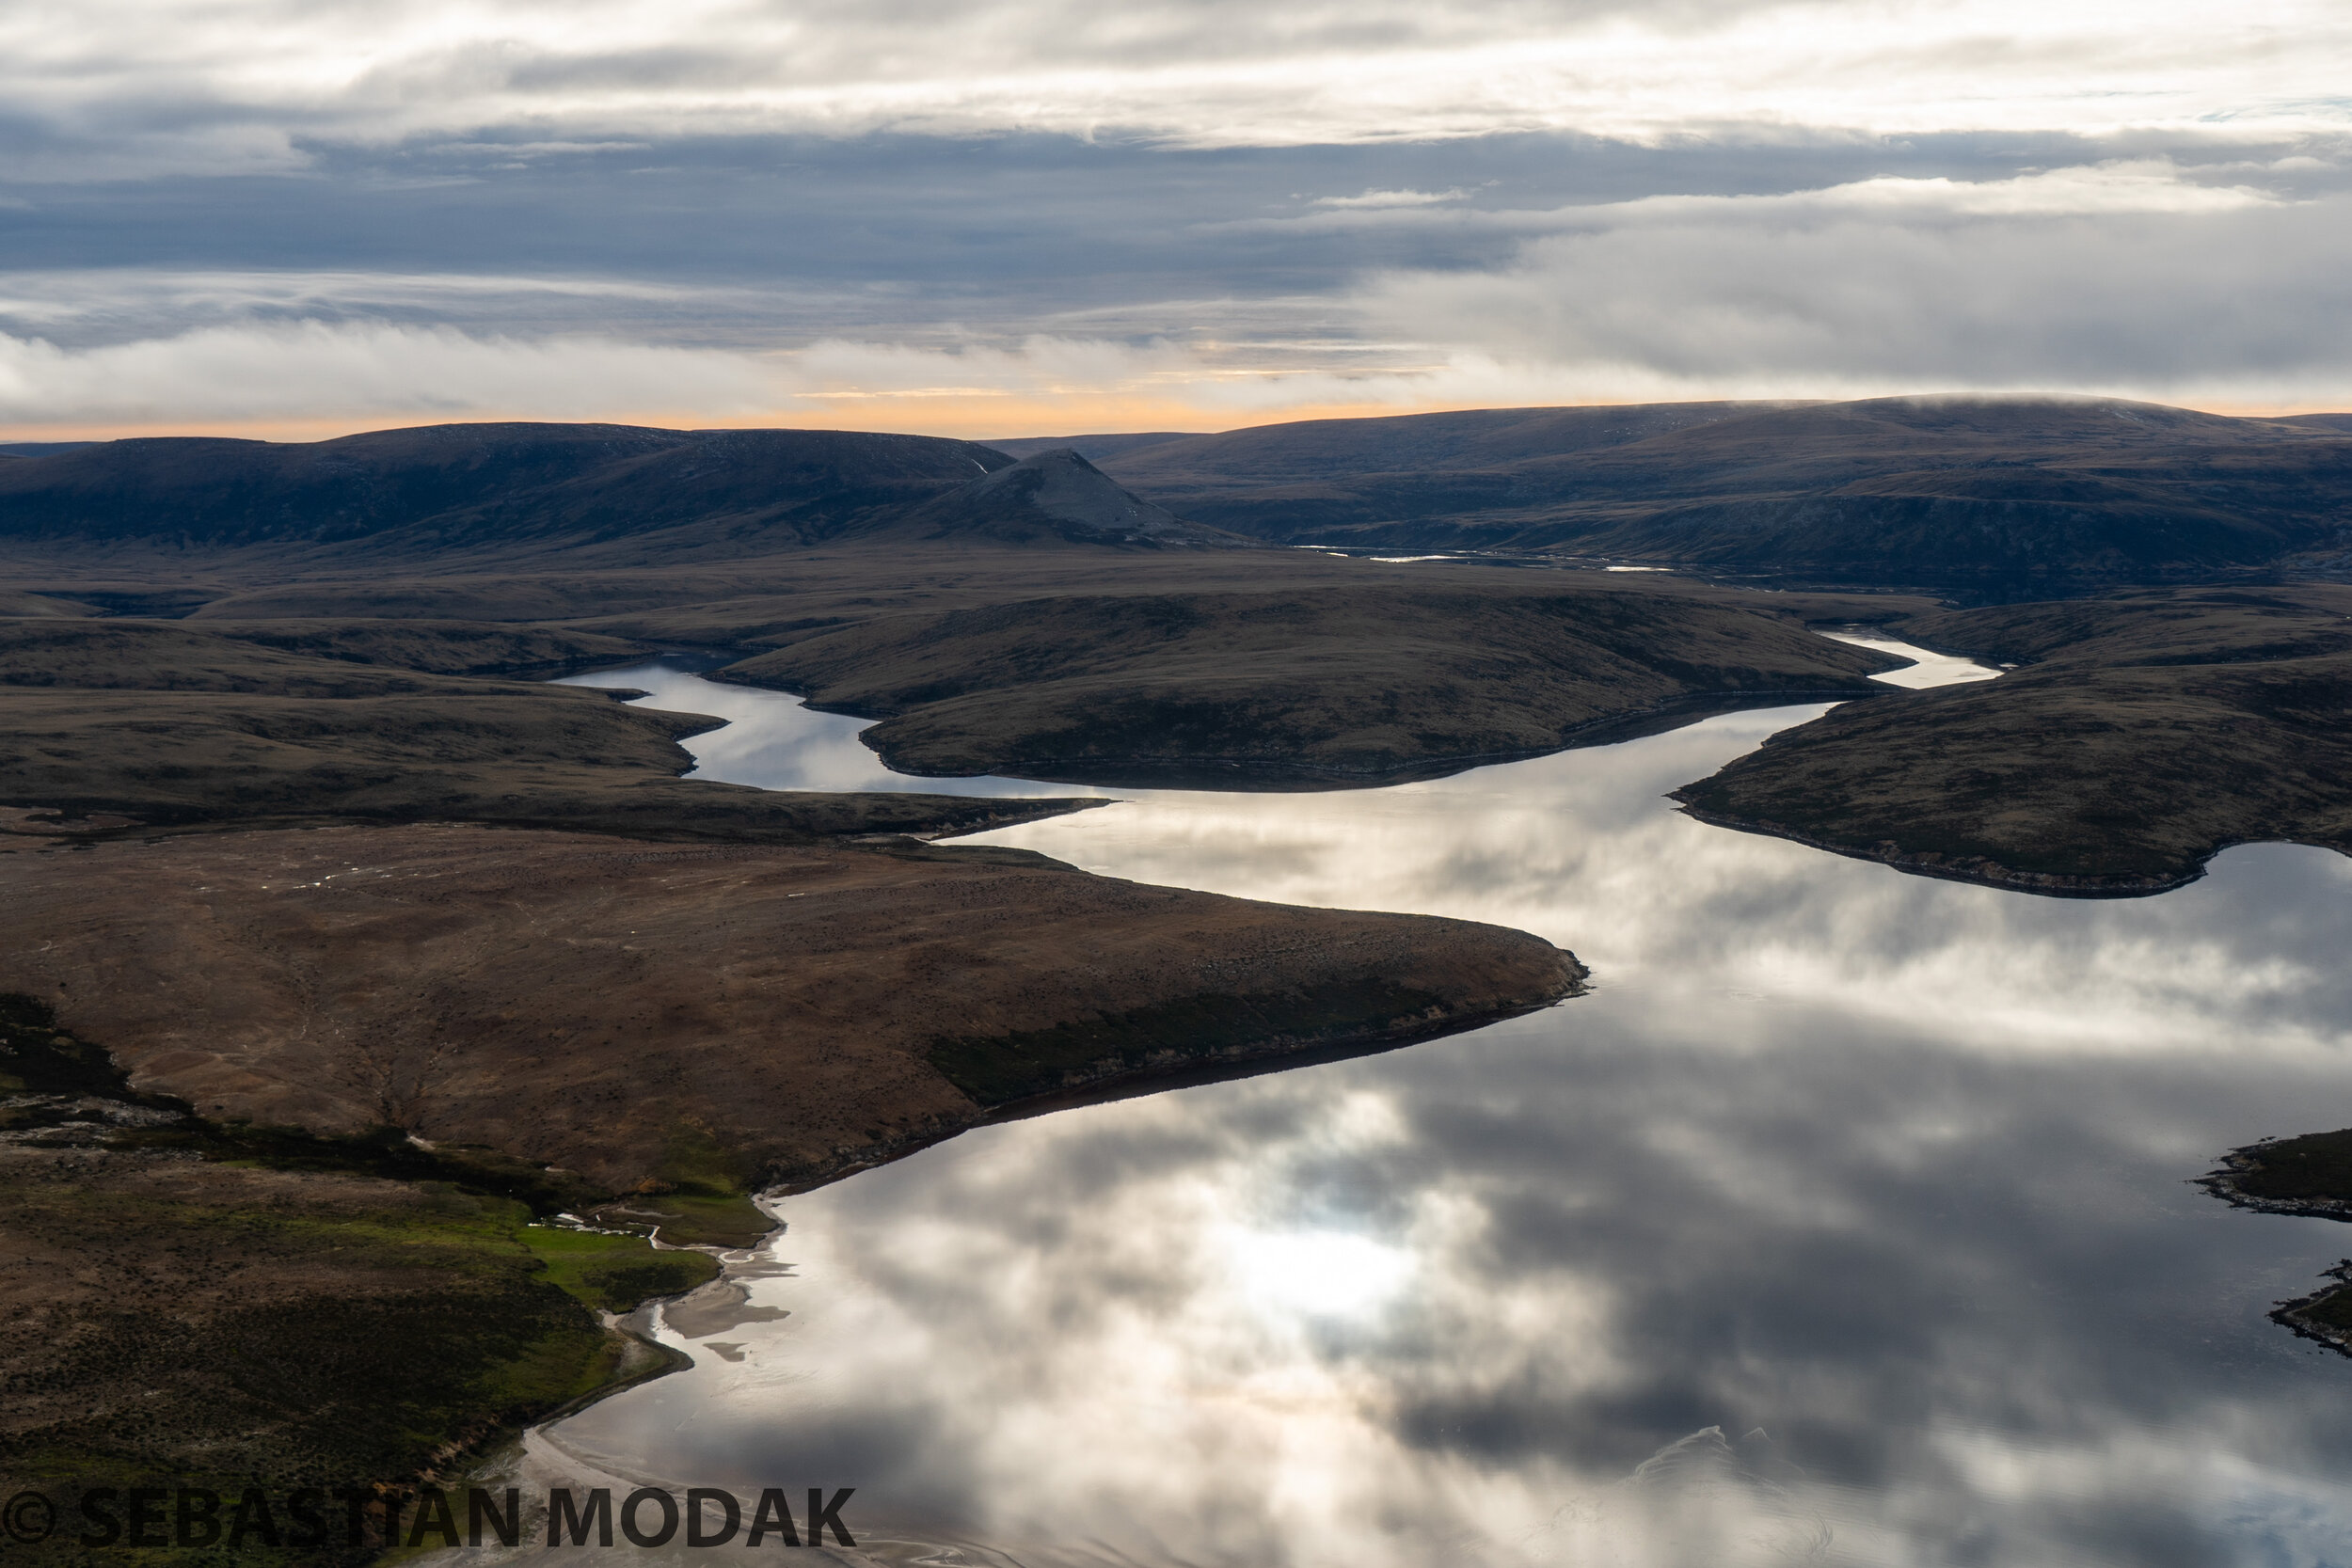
(2127, 284)
(312, 371)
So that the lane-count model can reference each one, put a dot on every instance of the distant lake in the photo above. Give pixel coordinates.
(1847, 1221)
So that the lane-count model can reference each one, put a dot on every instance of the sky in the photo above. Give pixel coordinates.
(296, 218)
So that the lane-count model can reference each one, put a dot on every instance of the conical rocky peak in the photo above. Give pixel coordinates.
(1059, 495)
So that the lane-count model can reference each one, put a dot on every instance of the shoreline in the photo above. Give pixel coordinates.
(2299, 1315)
(1277, 1054)
(2239, 1164)
(2324, 1315)
(1981, 871)
(1279, 774)
(2133, 737)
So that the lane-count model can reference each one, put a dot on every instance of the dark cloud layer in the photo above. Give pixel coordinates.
(801, 237)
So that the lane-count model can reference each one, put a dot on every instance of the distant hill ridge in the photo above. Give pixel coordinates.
(672, 494)
(447, 486)
(1924, 490)
(1947, 492)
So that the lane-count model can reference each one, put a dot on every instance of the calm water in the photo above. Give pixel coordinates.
(1846, 1222)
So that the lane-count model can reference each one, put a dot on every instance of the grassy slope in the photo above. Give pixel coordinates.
(1990, 493)
(700, 1018)
(1086, 663)
(196, 1304)
(438, 647)
(225, 1326)
(2141, 734)
(172, 722)
(519, 490)
(1326, 683)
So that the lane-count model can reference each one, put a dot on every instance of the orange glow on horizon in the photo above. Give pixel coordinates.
(972, 417)
(965, 418)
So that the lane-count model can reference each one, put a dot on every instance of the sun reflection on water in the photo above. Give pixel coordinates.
(1321, 1274)
(1887, 1177)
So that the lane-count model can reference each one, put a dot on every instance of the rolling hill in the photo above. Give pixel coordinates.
(1997, 495)
(440, 489)
(1988, 497)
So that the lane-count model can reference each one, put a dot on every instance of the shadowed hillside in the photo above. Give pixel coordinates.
(1994, 496)
(1316, 687)
(444, 488)
(110, 726)
(1987, 497)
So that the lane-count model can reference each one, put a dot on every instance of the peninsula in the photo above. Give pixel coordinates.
(2310, 1176)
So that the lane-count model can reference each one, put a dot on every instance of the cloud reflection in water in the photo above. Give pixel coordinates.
(1846, 1222)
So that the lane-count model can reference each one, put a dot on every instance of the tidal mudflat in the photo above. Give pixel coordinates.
(1851, 1219)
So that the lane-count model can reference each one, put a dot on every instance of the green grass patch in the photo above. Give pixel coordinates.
(383, 1151)
(696, 1163)
(615, 1272)
(381, 1338)
(685, 1219)
(369, 1331)
(376, 1338)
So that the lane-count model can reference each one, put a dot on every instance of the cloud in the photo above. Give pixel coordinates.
(306, 379)
(368, 374)
(72, 298)
(1391, 199)
(776, 242)
(2123, 281)
(2120, 185)
(251, 84)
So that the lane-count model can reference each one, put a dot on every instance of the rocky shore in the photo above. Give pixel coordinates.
(2309, 1177)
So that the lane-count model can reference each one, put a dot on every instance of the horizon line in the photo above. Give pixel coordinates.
(305, 432)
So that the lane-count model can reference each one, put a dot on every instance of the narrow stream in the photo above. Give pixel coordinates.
(1847, 1221)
